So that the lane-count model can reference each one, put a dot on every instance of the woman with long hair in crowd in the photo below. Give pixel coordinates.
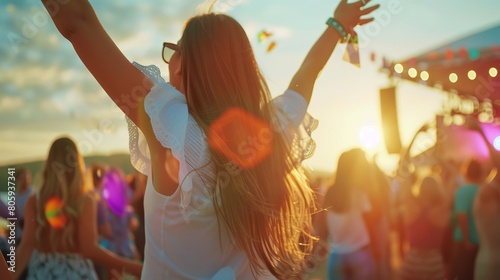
(346, 222)
(60, 238)
(226, 196)
(425, 218)
(233, 204)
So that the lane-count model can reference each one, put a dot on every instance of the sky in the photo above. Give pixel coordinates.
(46, 92)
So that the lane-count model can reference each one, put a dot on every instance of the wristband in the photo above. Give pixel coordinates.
(339, 28)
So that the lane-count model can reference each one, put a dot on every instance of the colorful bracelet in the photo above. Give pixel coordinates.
(339, 28)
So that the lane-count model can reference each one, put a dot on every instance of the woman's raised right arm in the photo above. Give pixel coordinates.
(125, 84)
(349, 14)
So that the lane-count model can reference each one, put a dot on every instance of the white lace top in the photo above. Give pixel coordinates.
(183, 240)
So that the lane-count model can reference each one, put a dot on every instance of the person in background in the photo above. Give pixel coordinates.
(60, 237)
(137, 183)
(345, 221)
(406, 177)
(425, 218)
(120, 214)
(379, 195)
(4, 269)
(465, 235)
(404, 183)
(23, 191)
(487, 214)
(97, 172)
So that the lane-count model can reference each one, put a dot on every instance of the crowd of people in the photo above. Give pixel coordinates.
(436, 213)
(220, 191)
(442, 217)
(99, 221)
(439, 220)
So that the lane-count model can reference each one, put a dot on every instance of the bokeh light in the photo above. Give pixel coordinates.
(398, 68)
(453, 77)
(424, 75)
(496, 143)
(493, 72)
(54, 213)
(412, 72)
(472, 75)
(240, 136)
(458, 120)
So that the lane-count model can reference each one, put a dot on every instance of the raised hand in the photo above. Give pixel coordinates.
(349, 14)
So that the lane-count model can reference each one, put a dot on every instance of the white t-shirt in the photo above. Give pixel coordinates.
(347, 231)
(183, 240)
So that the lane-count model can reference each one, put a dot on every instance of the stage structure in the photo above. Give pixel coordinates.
(465, 69)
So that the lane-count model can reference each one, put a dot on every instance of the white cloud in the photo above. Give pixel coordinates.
(218, 6)
(280, 32)
(27, 75)
(51, 106)
(11, 103)
(136, 41)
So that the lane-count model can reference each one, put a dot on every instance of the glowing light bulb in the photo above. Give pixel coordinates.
(493, 72)
(424, 75)
(472, 75)
(398, 68)
(412, 72)
(453, 77)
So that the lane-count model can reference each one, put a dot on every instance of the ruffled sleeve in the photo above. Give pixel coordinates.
(168, 112)
(293, 120)
(163, 102)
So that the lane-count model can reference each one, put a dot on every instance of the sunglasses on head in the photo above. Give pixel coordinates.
(168, 51)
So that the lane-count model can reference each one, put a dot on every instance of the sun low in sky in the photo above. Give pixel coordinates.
(45, 91)
(370, 138)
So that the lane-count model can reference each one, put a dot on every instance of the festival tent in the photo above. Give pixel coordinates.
(467, 70)
(467, 67)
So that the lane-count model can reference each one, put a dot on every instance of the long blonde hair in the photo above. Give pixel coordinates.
(63, 177)
(266, 208)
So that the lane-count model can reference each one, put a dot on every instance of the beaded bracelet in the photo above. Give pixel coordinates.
(339, 28)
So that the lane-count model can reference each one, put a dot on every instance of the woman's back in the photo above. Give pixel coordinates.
(423, 230)
(186, 221)
(425, 218)
(347, 230)
(173, 234)
(49, 236)
(54, 259)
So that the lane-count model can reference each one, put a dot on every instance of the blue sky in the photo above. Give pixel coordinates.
(45, 91)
